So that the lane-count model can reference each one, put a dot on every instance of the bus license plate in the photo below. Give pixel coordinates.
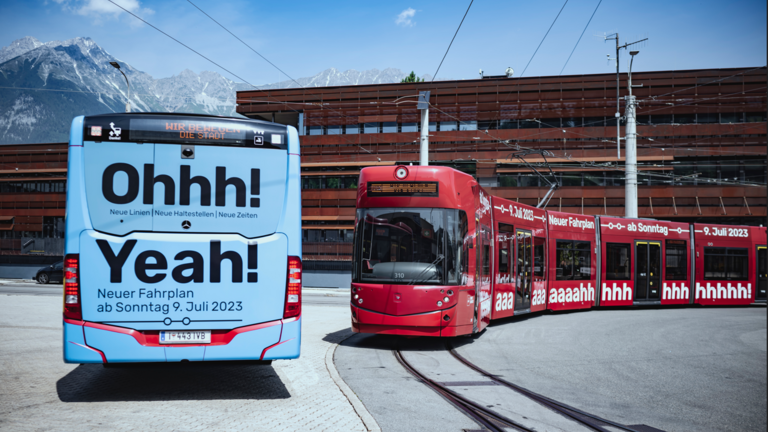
(185, 337)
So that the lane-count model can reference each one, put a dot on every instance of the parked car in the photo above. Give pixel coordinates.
(53, 272)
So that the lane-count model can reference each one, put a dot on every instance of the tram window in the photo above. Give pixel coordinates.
(726, 263)
(738, 264)
(454, 247)
(582, 267)
(617, 257)
(675, 260)
(486, 250)
(503, 261)
(714, 263)
(573, 260)
(564, 260)
(505, 251)
(539, 263)
(465, 241)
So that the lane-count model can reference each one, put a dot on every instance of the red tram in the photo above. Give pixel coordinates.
(435, 255)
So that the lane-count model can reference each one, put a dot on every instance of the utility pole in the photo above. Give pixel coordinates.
(618, 104)
(615, 37)
(423, 105)
(630, 187)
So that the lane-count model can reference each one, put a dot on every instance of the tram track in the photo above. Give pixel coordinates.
(487, 418)
(589, 420)
(494, 421)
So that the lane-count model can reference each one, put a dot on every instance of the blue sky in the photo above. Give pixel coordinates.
(306, 37)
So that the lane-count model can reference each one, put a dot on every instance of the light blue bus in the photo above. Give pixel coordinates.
(183, 240)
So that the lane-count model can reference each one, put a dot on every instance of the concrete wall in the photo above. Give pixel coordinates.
(326, 279)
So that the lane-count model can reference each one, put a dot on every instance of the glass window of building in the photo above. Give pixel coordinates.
(508, 180)
(528, 180)
(756, 117)
(730, 171)
(448, 126)
(315, 130)
(433, 126)
(389, 127)
(662, 119)
(371, 128)
(706, 118)
(332, 182)
(550, 123)
(614, 178)
(595, 121)
(508, 124)
(572, 122)
(594, 179)
(410, 127)
(310, 183)
(731, 117)
(352, 129)
(570, 179)
(685, 118)
(468, 125)
(488, 124)
(528, 124)
(754, 171)
(333, 130)
(349, 182)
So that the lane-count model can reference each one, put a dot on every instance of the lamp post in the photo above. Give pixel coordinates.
(630, 187)
(116, 65)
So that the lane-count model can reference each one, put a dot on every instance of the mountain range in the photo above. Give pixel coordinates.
(43, 85)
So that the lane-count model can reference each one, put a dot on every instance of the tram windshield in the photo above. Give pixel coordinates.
(410, 246)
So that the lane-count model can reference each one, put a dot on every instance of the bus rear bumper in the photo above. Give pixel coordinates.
(86, 342)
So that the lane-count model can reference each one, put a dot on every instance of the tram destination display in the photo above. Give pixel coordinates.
(402, 189)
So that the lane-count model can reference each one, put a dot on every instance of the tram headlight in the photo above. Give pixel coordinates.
(360, 301)
(450, 292)
(356, 296)
(439, 303)
(446, 299)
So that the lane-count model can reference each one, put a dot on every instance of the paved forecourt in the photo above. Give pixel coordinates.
(39, 392)
(679, 369)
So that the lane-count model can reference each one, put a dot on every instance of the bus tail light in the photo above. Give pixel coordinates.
(72, 308)
(293, 288)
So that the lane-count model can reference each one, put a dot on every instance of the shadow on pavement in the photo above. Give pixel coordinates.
(338, 335)
(166, 382)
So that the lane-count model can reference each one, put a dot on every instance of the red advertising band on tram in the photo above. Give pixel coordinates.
(644, 261)
(573, 254)
(436, 255)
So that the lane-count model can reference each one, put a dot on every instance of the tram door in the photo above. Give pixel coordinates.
(647, 270)
(524, 270)
(762, 273)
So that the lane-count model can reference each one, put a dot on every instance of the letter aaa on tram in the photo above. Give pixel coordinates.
(183, 240)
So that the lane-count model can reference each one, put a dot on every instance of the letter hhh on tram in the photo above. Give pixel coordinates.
(422, 248)
(183, 240)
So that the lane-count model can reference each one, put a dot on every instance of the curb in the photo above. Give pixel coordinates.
(368, 421)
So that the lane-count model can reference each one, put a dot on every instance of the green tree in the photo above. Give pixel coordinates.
(411, 78)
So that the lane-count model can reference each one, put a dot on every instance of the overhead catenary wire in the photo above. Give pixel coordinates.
(243, 42)
(542, 39)
(452, 39)
(582, 34)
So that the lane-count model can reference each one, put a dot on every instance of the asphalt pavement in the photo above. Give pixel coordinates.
(680, 369)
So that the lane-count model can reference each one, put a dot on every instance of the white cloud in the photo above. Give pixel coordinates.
(101, 9)
(404, 18)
